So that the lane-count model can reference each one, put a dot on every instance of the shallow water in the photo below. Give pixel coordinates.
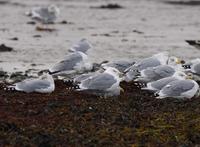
(161, 26)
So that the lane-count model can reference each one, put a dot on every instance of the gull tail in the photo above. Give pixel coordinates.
(9, 88)
(140, 84)
(71, 85)
(185, 66)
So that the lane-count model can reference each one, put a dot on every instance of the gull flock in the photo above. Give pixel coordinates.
(161, 74)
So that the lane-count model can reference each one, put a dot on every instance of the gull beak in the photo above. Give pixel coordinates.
(178, 61)
(189, 77)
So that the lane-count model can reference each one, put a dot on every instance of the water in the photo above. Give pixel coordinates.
(162, 27)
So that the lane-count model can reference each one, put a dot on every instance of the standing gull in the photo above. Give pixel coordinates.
(44, 84)
(106, 83)
(193, 67)
(179, 89)
(45, 15)
(82, 46)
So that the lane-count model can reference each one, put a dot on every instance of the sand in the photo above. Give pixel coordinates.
(140, 29)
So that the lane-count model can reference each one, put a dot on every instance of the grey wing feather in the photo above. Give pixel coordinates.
(159, 84)
(197, 68)
(164, 71)
(176, 88)
(148, 62)
(32, 85)
(100, 82)
(68, 64)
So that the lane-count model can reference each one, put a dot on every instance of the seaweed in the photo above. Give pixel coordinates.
(75, 118)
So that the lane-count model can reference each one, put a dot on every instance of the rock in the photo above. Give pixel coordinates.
(109, 6)
(4, 48)
(45, 29)
(14, 39)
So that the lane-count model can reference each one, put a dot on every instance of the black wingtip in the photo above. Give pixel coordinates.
(9, 89)
(186, 66)
(191, 42)
(140, 84)
(52, 73)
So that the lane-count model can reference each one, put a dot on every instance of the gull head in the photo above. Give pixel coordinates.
(47, 76)
(180, 75)
(54, 10)
(175, 61)
(113, 71)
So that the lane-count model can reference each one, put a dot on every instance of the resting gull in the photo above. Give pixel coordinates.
(45, 15)
(121, 65)
(156, 60)
(82, 46)
(106, 83)
(159, 84)
(179, 89)
(44, 84)
(72, 63)
(155, 73)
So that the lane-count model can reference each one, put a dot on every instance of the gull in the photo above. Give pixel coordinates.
(106, 83)
(159, 84)
(156, 60)
(156, 73)
(45, 15)
(82, 46)
(72, 63)
(179, 89)
(193, 66)
(44, 84)
(121, 65)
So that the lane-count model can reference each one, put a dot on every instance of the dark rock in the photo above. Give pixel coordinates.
(185, 3)
(109, 6)
(31, 22)
(37, 36)
(138, 32)
(2, 2)
(4, 48)
(45, 29)
(14, 39)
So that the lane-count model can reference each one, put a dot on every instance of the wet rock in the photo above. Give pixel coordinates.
(45, 29)
(37, 36)
(4, 48)
(31, 22)
(185, 3)
(106, 35)
(2, 2)
(65, 22)
(138, 32)
(14, 38)
(109, 6)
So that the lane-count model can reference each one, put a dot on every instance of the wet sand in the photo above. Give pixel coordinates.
(139, 29)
